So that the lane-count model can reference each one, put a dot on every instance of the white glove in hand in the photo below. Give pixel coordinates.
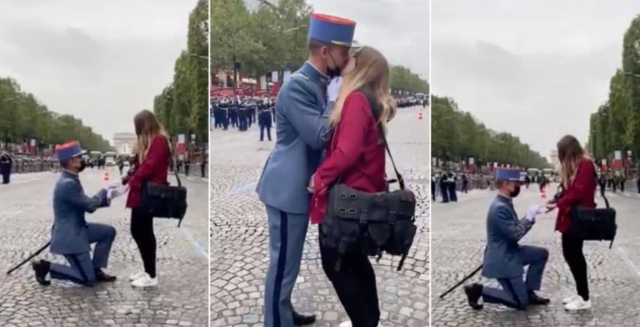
(116, 192)
(334, 89)
(533, 212)
(310, 186)
(114, 185)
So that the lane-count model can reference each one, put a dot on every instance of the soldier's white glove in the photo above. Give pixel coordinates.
(310, 186)
(334, 89)
(113, 185)
(533, 212)
(116, 192)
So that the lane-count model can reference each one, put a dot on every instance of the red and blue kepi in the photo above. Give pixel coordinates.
(332, 30)
(507, 174)
(68, 150)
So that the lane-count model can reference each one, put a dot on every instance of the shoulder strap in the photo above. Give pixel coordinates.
(375, 110)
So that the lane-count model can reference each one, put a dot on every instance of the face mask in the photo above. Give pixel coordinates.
(516, 191)
(83, 165)
(333, 72)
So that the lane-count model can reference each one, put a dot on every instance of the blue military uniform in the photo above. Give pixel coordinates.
(504, 258)
(71, 235)
(5, 167)
(301, 114)
(264, 120)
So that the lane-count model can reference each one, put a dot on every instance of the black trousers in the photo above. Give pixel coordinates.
(142, 233)
(355, 285)
(574, 256)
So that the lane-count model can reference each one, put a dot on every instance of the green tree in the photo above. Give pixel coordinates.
(182, 107)
(23, 117)
(403, 79)
(457, 135)
(615, 126)
(273, 38)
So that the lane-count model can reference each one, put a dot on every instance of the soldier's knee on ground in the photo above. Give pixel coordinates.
(90, 283)
(522, 307)
(90, 280)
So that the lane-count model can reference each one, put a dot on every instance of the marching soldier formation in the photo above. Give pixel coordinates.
(242, 112)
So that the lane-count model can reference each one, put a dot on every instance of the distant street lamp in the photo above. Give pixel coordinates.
(265, 2)
(289, 30)
(198, 56)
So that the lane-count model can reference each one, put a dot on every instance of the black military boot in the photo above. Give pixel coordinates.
(102, 277)
(534, 299)
(301, 320)
(41, 269)
(474, 292)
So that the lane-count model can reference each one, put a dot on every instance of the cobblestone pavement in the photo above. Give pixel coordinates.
(239, 236)
(458, 241)
(180, 300)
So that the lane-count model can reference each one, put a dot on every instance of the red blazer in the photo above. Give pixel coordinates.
(581, 192)
(154, 169)
(354, 153)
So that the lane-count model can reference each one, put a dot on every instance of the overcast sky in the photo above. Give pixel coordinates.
(537, 69)
(102, 61)
(397, 28)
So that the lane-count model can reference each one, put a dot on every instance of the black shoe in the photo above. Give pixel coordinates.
(102, 277)
(301, 320)
(41, 269)
(474, 292)
(534, 299)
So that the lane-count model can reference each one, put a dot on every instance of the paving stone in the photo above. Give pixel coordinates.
(239, 234)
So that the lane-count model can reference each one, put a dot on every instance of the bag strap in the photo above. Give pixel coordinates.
(372, 103)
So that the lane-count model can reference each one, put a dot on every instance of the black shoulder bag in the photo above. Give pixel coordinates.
(594, 224)
(165, 201)
(370, 223)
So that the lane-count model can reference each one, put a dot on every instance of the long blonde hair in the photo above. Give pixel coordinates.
(147, 127)
(570, 153)
(371, 72)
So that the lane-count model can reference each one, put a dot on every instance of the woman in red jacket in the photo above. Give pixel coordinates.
(153, 155)
(356, 156)
(578, 175)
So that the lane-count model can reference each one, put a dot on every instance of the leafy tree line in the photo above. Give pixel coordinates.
(615, 126)
(23, 118)
(458, 135)
(182, 107)
(253, 42)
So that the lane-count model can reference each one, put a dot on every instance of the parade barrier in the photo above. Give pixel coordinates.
(22, 165)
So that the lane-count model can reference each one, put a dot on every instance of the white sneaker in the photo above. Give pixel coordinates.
(570, 299)
(137, 275)
(145, 281)
(578, 305)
